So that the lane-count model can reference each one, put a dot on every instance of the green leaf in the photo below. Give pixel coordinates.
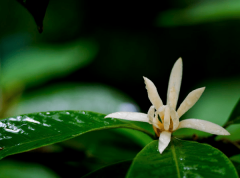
(181, 159)
(97, 97)
(236, 161)
(117, 170)
(106, 146)
(138, 137)
(34, 65)
(30, 131)
(13, 169)
(72, 96)
(235, 115)
(235, 158)
(206, 11)
(38, 9)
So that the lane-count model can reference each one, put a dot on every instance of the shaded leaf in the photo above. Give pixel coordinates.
(117, 170)
(13, 169)
(106, 146)
(38, 9)
(206, 11)
(30, 131)
(235, 115)
(37, 64)
(138, 137)
(181, 159)
(236, 161)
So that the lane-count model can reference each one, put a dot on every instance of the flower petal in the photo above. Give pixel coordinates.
(166, 118)
(156, 122)
(164, 140)
(161, 112)
(174, 84)
(190, 100)
(150, 114)
(132, 116)
(153, 94)
(175, 118)
(204, 126)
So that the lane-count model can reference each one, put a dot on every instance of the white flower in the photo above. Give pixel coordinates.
(165, 118)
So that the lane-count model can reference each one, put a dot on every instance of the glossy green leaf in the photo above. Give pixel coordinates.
(181, 159)
(206, 11)
(72, 96)
(37, 64)
(16, 169)
(235, 115)
(97, 97)
(38, 9)
(30, 131)
(117, 170)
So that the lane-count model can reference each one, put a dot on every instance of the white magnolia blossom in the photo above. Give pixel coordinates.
(165, 118)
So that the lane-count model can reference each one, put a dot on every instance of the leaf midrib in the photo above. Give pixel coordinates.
(175, 160)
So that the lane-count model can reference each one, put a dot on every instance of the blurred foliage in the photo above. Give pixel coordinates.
(34, 65)
(235, 115)
(69, 96)
(236, 161)
(117, 170)
(215, 105)
(107, 146)
(201, 12)
(14, 169)
(92, 56)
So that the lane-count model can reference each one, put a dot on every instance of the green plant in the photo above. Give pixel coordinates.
(177, 158)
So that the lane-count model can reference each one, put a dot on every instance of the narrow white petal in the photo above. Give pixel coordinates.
(161, 112)
(153, 94)
(174, 84)
(204, 126)
(166, 118)
(156, 121)
(132, 116)
(175, 118)
(164, 140)
(151, 114)
(190, 100)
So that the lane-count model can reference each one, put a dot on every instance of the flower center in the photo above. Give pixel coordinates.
(160, 124)
(165, 119)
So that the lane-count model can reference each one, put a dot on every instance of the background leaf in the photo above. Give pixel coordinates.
(201, 12)
(235, 115)
(38, 9)
(29, 131)
(74, 96)
(236, 161)
(15, 169)
(33, 65)
(181, 159)
(117, 170)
